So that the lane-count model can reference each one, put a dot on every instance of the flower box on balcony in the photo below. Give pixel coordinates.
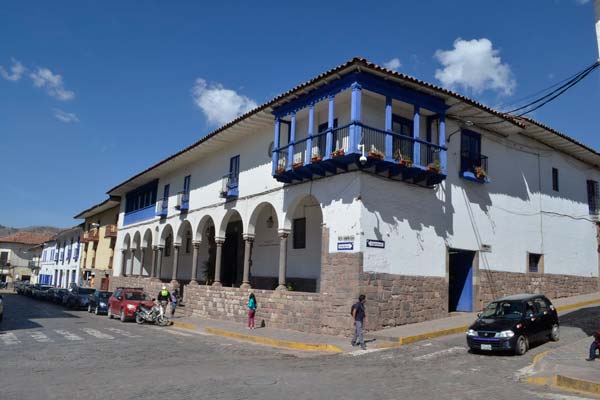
(480, 173)
(337, 153)
(377, 155)
(316, 159)
(405, 163)
(297, 165)
(434, 167)
(280, 170)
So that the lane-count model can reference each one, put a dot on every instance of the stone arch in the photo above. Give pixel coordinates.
(166, 251)
(126, 242)
(147, 238)
(230, 215)
(232, 262)
(137, 240)
(254, 217)
(146, 253)
(183, 239)
(184, 228)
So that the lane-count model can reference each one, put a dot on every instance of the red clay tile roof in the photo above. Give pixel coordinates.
(27, 238)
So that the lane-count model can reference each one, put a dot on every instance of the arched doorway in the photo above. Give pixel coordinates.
(166, 251)
(184, 240)
(125, 250)
(263, 228)
(232, 262)
(146, 250)
(304, 220)
(207, 249)
(136, 254)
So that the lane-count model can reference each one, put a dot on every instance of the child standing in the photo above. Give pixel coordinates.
(251, 310)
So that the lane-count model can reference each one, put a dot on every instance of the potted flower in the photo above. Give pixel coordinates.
(280, 167)
(297, 165)
(315, 156)
(376, 154)
(337, 153)
(404, 161)
(480, 173)
(435, 167)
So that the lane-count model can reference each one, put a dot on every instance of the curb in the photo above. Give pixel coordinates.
(275, 342)
(577, 305)
(578, 385)
(183, 325)
(395, 342)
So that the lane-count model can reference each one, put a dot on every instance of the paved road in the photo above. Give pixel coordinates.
(47, 352)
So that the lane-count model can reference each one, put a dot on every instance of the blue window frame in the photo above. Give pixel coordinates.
(593, 196)
(186, 184)
(401, 146)
(166, 195)
(234, 171)
(142, 197)
(470, 150)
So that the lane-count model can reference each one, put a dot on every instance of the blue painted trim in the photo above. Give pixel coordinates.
(311, 123)
(389, 144)
(275, 154)
(329, 137)
(290, 159)
(442, 141)
(470, 176)
(368, 82)
(142, 214)
(416, 131)
(355, 129)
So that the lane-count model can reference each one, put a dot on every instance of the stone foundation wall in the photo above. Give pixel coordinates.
(287, 310)
(496, 284)
(394, 300)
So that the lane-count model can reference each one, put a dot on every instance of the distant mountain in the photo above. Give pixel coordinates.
(7, 230)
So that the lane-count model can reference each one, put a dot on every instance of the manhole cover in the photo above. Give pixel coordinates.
(259, 381)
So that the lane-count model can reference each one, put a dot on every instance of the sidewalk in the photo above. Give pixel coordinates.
(390, 337)
(566, 367)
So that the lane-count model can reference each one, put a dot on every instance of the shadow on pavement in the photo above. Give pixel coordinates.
(586, 319)
(21, 312)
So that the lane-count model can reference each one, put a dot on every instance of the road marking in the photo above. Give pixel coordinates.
(122, 332)
(435, 354)
(361, 352)
(68, 335)
(40, 337)
(97, 333)
(9, 339)
(172, 332)
(188, 331)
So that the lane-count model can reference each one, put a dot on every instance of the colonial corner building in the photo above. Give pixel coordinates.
(362, 180)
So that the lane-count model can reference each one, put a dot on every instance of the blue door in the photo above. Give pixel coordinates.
(460, 284)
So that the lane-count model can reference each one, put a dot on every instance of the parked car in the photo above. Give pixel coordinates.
(1, 308)
(513, 323)
(125, 301)
(39, 291)
(19, 286)
(56, 295)
(99, 302)
(79, 297)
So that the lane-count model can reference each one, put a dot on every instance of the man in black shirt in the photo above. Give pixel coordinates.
(360, 318)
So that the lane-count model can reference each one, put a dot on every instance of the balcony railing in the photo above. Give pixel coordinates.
(110, 231)
(229, 186)
(162, 207)
(387, 153)
(91, 236)
(474, 167)
(183, 201)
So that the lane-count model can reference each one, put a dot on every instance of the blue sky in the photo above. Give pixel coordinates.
(92, 92)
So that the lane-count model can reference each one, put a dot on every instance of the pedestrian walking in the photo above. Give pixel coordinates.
(252, 305)
(594, 346)
(163, 299)
(174, 296)
(360, 318)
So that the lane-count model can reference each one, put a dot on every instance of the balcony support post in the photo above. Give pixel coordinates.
(389, 143)
(329, 134)
(442, 141)
(416, 135)
(355, 129)
(142, 257)
(311, 123)
(290, 160)
(275, 154)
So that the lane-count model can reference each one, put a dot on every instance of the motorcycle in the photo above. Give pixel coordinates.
(151, 314)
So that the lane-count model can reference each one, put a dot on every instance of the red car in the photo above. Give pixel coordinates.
(125, 301)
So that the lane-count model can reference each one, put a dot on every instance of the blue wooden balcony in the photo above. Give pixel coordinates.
(183, 201)
(162, 208)
(375, 150)
(229, 187)
(142, 214)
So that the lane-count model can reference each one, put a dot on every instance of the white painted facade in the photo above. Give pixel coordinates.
(60, 259)
(516, 213)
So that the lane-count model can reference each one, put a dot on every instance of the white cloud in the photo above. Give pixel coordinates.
(53, 83)
(65, 117)
(474, 65)
(218, 104)
(16, 69)
(393, 64)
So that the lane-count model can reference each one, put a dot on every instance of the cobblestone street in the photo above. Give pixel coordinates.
(51, 353)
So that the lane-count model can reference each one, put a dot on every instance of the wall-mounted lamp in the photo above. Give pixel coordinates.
(270, 222)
